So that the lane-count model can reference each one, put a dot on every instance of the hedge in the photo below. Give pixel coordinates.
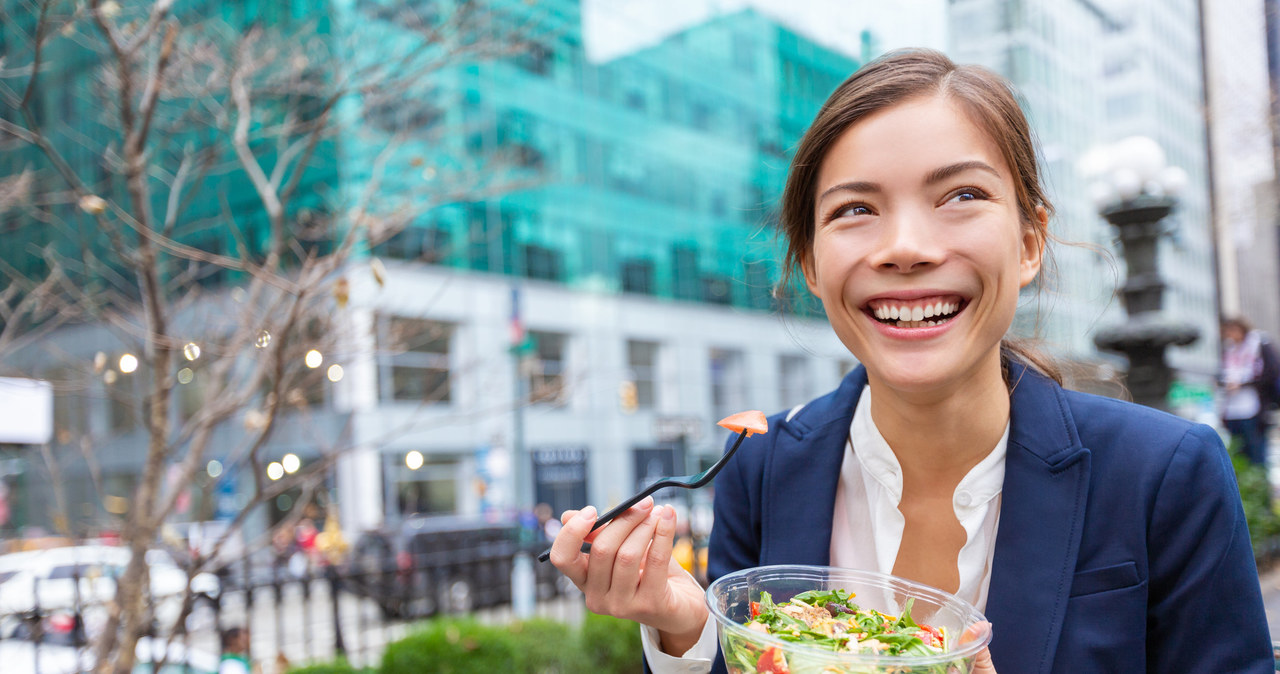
(602, 645)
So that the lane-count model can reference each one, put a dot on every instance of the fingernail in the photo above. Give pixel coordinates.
(646, 503)
(668, 513)
(587, 513)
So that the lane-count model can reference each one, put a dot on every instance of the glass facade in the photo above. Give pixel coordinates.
(1086, 76)
(655, 173)
(1154, 87)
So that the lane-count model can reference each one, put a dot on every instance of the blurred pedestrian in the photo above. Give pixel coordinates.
(235, 652)
(547, 523)
(1248, 382)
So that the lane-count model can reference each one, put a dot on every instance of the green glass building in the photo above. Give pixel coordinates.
(630, 200)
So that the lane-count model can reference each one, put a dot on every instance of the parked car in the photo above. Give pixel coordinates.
(448, 564)
(79, 580)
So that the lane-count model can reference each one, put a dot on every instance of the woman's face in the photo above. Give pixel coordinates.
(918, 252)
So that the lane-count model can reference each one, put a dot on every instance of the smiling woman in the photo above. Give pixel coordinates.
(1096, 535)
(919, 212)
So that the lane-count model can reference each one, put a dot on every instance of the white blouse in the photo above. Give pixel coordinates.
(867, 526)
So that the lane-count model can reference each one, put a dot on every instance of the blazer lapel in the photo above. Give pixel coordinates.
(801, 476)
(1046, 483)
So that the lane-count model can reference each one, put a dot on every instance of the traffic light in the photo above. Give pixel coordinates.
(627, 396)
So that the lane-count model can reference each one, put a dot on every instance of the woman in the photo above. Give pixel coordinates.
(1096, 535)
(1247, 379)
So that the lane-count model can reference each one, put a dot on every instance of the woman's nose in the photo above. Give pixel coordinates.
(907, 244)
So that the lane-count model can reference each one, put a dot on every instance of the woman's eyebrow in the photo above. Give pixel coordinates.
(935, 176)
(940, 174)
(851, 186)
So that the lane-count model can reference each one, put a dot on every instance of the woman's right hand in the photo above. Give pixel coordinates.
(629, 572)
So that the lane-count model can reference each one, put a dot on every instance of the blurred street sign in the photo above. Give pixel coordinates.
(26, 411)
(669, 428)
(1185, 393)
(226, 498)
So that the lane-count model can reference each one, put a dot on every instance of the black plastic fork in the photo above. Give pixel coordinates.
(687, 482)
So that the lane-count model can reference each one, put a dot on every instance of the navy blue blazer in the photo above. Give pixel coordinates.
(1122, 544)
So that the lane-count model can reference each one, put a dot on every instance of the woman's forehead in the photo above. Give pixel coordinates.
(908, 141)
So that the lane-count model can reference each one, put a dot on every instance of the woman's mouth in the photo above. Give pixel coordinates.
(923, 313)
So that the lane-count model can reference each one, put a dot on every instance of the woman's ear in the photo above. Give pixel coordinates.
(1033, 240)
(810, 274)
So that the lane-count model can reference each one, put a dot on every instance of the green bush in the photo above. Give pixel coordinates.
(603, 645)
(611, 645)
(1255, 494)
(335, 667)
(453, 646)
(548, 647)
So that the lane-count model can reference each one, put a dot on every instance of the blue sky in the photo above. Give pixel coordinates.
(616, 27)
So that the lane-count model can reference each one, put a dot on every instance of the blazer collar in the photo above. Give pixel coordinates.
(801, 474)
(1041, 513)
(1046, 482)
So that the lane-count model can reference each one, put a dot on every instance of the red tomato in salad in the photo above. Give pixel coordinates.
(772, 662)
(931, 636)
(755, 609)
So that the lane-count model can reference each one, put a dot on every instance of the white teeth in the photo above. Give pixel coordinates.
(915, 317)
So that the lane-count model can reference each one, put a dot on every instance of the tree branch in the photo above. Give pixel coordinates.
(42, 24)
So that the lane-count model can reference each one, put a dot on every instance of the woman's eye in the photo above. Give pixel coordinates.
(968, 194)
(853, 210)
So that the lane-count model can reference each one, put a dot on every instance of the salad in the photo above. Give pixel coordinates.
(828, 619)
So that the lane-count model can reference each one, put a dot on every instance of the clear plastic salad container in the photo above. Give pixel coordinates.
(730, 599)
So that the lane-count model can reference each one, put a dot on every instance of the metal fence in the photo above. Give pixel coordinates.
(295, 614)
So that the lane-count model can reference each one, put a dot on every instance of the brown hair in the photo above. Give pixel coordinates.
(898, 76)
(1237, 322)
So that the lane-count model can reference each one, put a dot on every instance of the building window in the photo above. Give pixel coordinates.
(126, 402)
(546, 368)
(684, 258)
(190, 394)
(637, 276)
(70, 415)
(431, 488)
(542, 263)
(536, 58)
(759, 285)
(728, 382)
(425, 244)
(715, 290)
(415, 359)
(793, 380)
(642, 360)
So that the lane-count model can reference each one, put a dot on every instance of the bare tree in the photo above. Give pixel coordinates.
(192, 208)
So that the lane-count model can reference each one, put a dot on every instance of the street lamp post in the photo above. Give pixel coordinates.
(1134, 190)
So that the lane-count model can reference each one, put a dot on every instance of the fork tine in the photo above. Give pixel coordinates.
(710, 473)
(746, 423)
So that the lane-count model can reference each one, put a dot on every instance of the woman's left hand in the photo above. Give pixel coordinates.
(982, 663)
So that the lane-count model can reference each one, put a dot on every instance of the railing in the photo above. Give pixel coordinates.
(323, 612)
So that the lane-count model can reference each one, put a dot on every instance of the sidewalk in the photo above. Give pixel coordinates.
(1271, 599)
